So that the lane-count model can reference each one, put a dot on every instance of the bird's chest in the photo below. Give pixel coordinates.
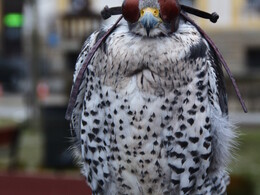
(146, 130)
(154, 97)
(138, 155)
(156, 66)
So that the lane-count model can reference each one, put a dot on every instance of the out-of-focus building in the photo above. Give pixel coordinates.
(237, 34)
(12, 65)
(75, 24)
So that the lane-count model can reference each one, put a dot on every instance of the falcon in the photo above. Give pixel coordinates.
(151, 115)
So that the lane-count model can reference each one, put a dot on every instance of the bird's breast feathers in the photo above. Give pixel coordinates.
(162, 62)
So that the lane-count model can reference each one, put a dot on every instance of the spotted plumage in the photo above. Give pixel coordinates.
(151, 114)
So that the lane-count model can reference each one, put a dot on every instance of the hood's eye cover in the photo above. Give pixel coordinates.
(130, 10)
(169, 10)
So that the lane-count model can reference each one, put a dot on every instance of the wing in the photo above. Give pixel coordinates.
(87, 122)
(76, 115)
(220, 138)
(217, 84)
(222, 131)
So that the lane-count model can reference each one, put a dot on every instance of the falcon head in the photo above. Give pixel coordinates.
(151, 18)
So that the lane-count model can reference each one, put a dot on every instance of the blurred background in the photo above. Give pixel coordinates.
(39, 44)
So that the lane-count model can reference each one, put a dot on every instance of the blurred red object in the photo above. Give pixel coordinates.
(7, 134)
(43, 90)
(1, 90)
(19, 184)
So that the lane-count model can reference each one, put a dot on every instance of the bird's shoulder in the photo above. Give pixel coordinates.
(86, 48)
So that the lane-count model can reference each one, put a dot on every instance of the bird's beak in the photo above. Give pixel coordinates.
(150, 18)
